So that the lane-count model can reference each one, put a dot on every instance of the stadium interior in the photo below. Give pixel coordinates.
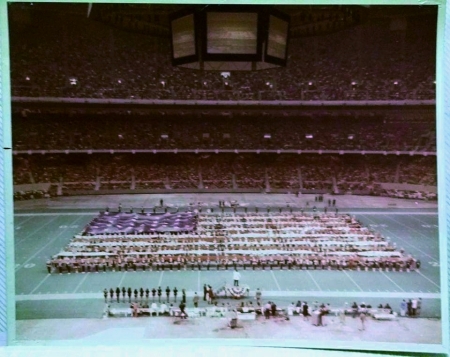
(294, 144)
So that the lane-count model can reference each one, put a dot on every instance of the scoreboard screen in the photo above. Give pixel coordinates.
(223, 38)
(183, 37)
(232, 33)
(277, 39)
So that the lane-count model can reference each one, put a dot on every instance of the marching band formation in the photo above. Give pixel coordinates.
(291, 240)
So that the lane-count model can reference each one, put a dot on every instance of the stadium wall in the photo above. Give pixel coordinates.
(408, 187)
(46, 186)
(32, 187)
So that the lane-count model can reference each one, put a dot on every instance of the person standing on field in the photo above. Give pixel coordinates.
(196, 299)
(258, 296)
(236, 277)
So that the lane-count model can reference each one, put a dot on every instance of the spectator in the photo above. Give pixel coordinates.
(414, 304)
(305, 311)
(403, 307)
(409, 308)
(195, 300)
(267, 310)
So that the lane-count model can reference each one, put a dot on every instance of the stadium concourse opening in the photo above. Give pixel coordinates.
(268, 200)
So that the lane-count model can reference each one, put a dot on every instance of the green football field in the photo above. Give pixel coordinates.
(39, 234)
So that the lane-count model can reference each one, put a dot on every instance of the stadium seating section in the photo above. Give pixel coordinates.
(366, 62)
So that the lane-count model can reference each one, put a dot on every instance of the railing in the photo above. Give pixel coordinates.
(277, 103)
(222, 151)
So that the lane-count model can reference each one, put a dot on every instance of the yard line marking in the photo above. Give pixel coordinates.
(424, 222)
(431, 281)
(392, 281)
(40, 250)
(411, 229)
(121, 280)
(34, 231)
(160, 278)
(354, 282)
(276, 281)
(395, 235)
(42, 281)
(273, 293)
(23, 222)
(80, 283)
(314, 280)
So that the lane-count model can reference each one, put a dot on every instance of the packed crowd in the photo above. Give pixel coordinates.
(92, 60)
(228, 171)
(290, 240)
(159, 132)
